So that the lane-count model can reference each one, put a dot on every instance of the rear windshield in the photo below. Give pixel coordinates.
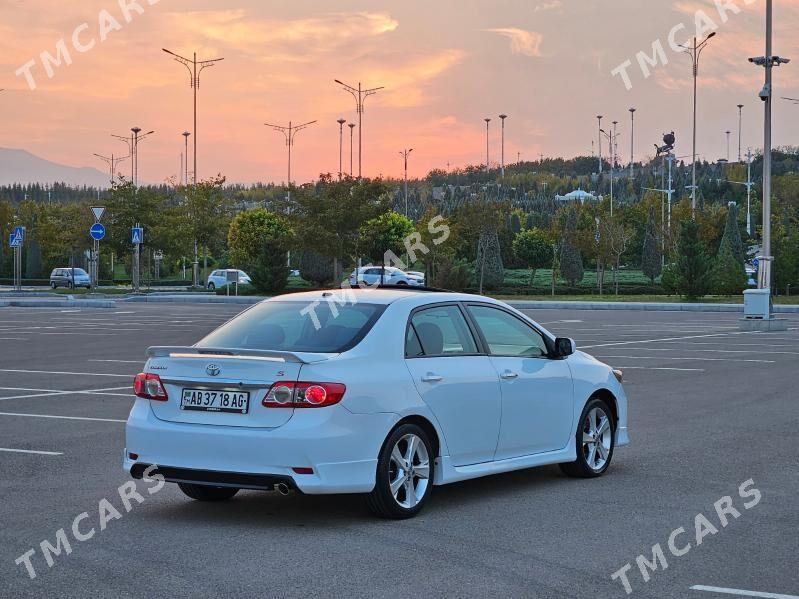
(290, 326)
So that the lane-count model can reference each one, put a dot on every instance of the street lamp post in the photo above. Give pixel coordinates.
(352, 128)
(405, 154)
(340, 147)
(749, 185)
(112, 162)
(488, 164)
(740, 128)
(768, 61)
(694, 52)
(136, 139)
(290, 132)
(360, 95)
(194, 72)
(599, 137)
(728, 146)
(186, 163)
(502, 163)
(632, 141)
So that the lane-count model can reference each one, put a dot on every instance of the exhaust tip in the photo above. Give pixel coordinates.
(282, 488)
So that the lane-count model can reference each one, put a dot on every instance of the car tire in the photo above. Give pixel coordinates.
(211, 287)
(207, 493)
(70, 285)
(402, 283)
(595, 441)
(53, 285)
(407, 444)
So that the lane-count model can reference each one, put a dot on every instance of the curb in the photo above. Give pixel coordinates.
(66, 303)
(642, 306)
(194, 299)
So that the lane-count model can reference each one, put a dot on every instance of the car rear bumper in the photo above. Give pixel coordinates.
(340, 447)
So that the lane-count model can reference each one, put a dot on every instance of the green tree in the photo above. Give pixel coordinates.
(205, 212)
(731, 239)
(488, 267)
(651, 261)
(571, 263)
(692, 268)
(250, 230)
(729, 276)
(383, 237)
(268, 269)
(316, 268)
(532, 248)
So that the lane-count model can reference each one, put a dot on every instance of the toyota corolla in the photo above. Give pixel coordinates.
(382, 392)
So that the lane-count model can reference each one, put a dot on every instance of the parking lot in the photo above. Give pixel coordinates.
(710, 408)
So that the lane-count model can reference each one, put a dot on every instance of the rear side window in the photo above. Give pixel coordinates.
(442, 331)
(292, 326)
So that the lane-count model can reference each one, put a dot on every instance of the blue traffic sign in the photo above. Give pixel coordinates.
(97, 231)
(17, 237)
(137, 235)
(756, 263)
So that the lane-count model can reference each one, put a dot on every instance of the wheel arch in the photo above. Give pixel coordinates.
(607, 396)
(426, 426)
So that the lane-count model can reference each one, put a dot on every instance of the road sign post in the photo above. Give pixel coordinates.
(96, 232)
(15, 240)
(136, 238)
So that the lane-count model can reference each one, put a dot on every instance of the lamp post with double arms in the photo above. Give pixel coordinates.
(488, 164)
(695, 52)
(502, 163)
(195, 67)
(289, 132)
(360, 96)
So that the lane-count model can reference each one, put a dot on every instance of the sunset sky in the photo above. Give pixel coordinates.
(446, 64)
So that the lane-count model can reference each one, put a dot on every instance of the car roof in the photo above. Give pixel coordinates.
(381, 296)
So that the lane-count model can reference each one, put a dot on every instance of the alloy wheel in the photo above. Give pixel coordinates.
(597, 438)
(409, 471)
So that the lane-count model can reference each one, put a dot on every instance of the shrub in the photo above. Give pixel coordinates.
(488, 267)
(316, 268)
(571, 263)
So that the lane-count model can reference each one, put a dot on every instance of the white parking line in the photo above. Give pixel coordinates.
(660, 368)
(696, 359)
(742, 593)
(30, 451)
(668, 339)
(55, 392)
(121, 361)
(62, 417)
(61, 372)
(722, 351)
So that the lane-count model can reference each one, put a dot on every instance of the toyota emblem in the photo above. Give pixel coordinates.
(213, 370)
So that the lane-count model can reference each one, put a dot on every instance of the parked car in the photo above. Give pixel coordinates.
(218, 278)
(69, 278)
(384, 392)
(370, 275)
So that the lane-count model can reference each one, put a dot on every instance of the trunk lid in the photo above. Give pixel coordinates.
(214, 374)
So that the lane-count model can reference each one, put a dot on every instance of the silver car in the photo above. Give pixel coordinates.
(70, 278)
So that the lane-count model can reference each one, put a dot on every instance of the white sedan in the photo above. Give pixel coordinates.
(375, 391)
(390, 275)
(219, 278)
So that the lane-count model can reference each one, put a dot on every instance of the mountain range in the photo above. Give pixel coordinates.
(20, 166)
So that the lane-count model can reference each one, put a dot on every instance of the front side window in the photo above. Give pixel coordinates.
(507, 335)
(290, 326)
(442, 331)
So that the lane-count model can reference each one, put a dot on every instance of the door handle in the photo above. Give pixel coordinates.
(509, 375)
(432, 378)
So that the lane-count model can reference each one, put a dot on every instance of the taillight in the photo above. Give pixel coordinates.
(288, 394)
(149, 386)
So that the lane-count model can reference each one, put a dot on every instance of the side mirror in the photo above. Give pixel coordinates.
(564, 347)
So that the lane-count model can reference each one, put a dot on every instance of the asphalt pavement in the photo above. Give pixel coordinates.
(710, 408)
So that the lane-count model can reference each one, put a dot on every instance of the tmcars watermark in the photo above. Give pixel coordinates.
(82, 40)
(703, 24)
(414, 247)
(703, 527)
(106, 512)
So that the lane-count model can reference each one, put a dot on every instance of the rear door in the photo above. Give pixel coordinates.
(455, 380)
(209, 389)
(537, 391)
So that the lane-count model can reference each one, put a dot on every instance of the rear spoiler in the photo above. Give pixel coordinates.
(161, 351)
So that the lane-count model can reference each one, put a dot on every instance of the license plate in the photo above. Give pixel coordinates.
(207, 400)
